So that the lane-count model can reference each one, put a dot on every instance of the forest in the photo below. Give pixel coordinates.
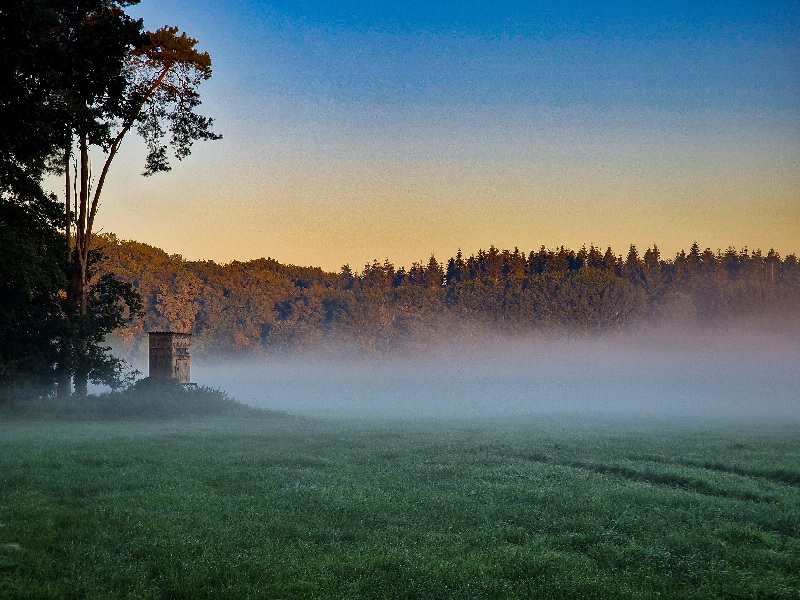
(264, 306)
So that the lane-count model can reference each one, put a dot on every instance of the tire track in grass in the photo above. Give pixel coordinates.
(779, 500)
(693, 483)
(673, 480)
(778, 476)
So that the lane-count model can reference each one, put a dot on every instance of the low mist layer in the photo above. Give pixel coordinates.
(706, 376)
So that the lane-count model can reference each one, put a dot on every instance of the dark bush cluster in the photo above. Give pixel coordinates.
(146, 399)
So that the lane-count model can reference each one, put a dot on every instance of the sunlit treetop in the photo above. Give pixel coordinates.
(165, 73)
(168, 49)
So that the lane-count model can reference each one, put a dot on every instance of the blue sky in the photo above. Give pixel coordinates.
(661, 55)
(361, 130)
(669, 56)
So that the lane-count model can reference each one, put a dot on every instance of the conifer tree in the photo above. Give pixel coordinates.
(514, 265)
(633, 268)
(609, 260)
(537, 262)
(772, 264)
(652, 270)
(493, 264)
(693, 259)
(594, 259)
(434, 275)
(559, 261)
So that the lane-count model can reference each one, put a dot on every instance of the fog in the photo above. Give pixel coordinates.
(697, 376)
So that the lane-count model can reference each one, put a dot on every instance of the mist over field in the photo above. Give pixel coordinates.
(699, 375)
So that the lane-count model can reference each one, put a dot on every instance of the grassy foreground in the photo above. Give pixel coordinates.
(292, 508)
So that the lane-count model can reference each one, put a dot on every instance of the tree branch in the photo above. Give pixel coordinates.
(115, 147)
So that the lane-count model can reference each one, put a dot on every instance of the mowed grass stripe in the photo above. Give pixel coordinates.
(305, 509)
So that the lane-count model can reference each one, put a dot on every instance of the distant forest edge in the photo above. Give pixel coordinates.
(264, 306)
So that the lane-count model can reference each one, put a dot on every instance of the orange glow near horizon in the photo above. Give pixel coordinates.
(415, 193)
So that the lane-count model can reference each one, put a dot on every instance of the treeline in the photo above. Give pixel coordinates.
(265, 306)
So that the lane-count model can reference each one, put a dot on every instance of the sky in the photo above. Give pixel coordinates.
(362, 130)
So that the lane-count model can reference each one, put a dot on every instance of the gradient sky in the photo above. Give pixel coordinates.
(366, 130)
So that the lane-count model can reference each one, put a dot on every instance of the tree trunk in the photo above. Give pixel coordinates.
(73, 361)
(81, 376)
(63, 370)
(78, 274)
(79, 348)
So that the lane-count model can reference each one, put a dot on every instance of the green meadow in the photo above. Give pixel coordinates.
(270, 506)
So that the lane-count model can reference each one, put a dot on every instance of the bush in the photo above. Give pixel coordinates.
(146, 399)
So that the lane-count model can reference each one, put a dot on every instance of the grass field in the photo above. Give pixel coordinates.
(284, 507)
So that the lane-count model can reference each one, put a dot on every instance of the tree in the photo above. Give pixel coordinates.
(537, 261)
(119, 79)
(112, 303)
(31, 277)
(346, 277)
(493, 264)
(609, 260)
(693, 259)
(31, 98)
(773, 260)
(558, 261)
(434, 275)
(594, 259)
(456, 269)
(633, 267)
(33, 111)
(652, 270)
(679, 271)
(732, 263)
(514, 264)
